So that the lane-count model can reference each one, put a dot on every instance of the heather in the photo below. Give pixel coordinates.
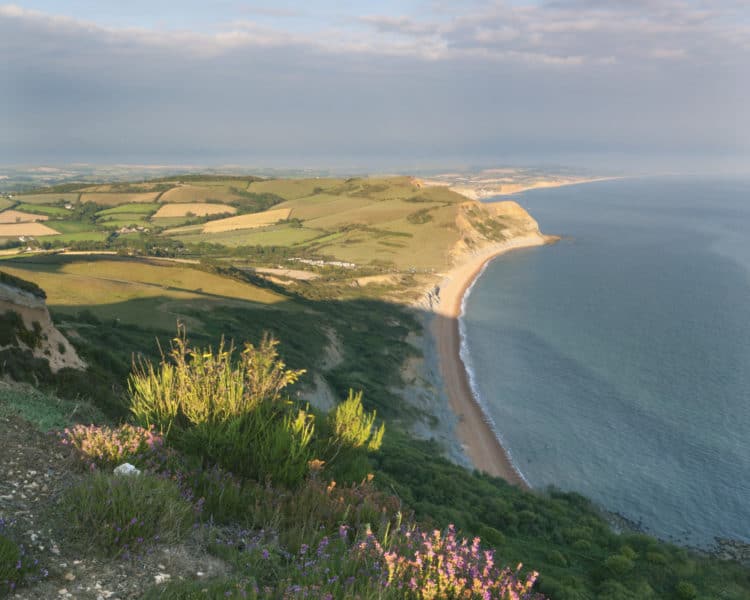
(17, 564)
(361, 511)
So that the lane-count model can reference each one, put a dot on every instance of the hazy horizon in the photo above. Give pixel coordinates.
(625, 87)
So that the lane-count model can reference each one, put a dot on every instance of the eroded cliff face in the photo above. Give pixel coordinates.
(484, 225)
(25, 324)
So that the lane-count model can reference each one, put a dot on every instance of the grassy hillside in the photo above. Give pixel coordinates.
(368, 246)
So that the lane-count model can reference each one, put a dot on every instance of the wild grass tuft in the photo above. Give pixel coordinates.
(16, 565)
(125, 515)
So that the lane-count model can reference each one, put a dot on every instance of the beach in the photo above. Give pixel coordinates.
(473, 429)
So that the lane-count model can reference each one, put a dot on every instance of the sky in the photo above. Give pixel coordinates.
(616, 84)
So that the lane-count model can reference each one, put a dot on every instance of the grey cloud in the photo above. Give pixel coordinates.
(77, 91)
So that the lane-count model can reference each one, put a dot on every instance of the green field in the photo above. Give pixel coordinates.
(82, 236)
(124, 220)
(291, 189)
(267, 236)
(134, 291)
(5, 203)
(203, 193)
(145, 208)
(40, 209)
(49, 198)
(118, 198)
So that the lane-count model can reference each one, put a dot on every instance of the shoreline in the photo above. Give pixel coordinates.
(474, 428)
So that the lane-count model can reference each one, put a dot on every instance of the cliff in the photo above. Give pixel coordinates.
(25, 324)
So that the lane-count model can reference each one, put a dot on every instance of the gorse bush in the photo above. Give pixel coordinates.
(194, 386)
(230, 411)
(124, 515)
(352, 427)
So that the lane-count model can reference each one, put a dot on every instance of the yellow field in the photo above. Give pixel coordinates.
(115, 199)
(33, 229)
(200, 193)
(252, 221)
(199, 209)
(16, 216)
(139, 292)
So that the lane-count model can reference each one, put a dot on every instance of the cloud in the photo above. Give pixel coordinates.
(498, 79)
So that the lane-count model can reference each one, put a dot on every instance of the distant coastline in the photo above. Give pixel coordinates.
(475, 430)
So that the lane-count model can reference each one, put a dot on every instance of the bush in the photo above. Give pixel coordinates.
(124, 515)
(399, 563)
(103, 447)
(16, 566)
(231, 413)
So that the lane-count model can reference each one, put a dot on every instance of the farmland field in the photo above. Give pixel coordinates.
(117, 198)
(5, 203)
(15, 216)
(281, 235)
(201, 193)
(135, 291)
(32, 229)
(124, 220)
(40, 209)
(198, 209)
(291, 189)
(145, 208)
(83, 236)
(48, 198)
(262, 219)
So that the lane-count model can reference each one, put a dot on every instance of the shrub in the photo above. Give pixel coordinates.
(103, 447)
(231, 413)
(123, 515)
(16, 566)
(195, 386)
(686, 591)
(398, 564)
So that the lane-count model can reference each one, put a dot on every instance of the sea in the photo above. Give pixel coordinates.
(616, 363)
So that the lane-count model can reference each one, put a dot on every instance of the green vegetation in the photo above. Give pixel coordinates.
(118, 514)
(143, 208)
(22, 284)
(226, 422)
(46, 411)
(42, 209)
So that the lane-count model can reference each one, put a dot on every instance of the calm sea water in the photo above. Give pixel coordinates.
(616, 363)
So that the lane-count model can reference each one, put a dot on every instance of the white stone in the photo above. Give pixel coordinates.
(126, 469)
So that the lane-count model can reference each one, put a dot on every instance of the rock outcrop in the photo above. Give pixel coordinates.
(25, 324)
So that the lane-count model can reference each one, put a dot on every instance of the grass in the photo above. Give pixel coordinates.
(40, 209)
(279, 235)
(124, 220)
(145, 208)
(291, 189)
(197, 209)
(14, 216)
(116, 199)
(82, 236)
(135, 291)
(25, 229)
(125, 515)
(250, 221)
(5, 203)
(54, 198)
(202, 193)
(45, 411)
